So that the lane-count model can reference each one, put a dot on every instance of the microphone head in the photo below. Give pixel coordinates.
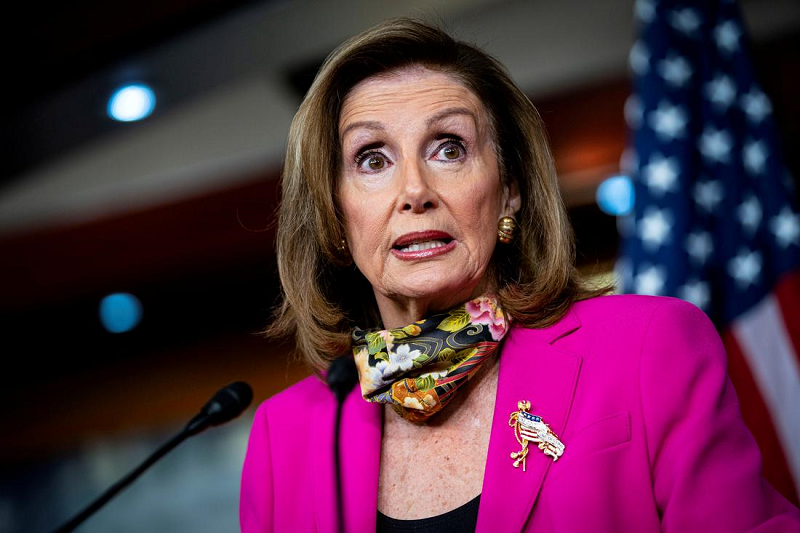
(342, 376)
(228, 403)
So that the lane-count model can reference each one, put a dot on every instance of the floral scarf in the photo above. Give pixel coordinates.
(419, 368)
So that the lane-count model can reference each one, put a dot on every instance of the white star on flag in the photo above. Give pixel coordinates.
(749, 213)
(686, 21)
(668, 121)
(675, 70)
(650, 280)
(699, 246)
(754, 157)
(697, 292)
(661, 174)
(707, 194)
(756, 105)
(639, 58)
(715, 145)
(726, 35)
(721, 91)
(745, 268)
(654, 228)
(786, 227)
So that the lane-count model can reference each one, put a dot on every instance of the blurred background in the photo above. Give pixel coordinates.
(136, 255)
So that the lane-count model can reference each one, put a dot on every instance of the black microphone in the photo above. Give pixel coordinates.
(225, 405)
(342, 377)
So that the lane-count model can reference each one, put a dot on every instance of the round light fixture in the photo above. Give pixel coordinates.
(615, 195)
(120, 312)
(131, 102)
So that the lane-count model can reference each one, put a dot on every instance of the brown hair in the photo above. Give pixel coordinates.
(323, 296)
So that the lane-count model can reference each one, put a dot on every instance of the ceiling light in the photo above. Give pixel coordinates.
(120, 312)
(131, 102)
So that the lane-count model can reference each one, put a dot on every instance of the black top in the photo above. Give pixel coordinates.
(461, 519)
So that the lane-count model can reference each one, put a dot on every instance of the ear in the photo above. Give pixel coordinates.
(512, 201)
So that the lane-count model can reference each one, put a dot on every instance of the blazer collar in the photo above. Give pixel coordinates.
(530, 369)
(569, 323)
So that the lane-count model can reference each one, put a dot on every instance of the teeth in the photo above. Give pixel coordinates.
(417, 246)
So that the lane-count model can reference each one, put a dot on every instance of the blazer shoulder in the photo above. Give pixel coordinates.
(618, 325)
(634, 327)
(629, 309)
(631, 302)
(614, 315)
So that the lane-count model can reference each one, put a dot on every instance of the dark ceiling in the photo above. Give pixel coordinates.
(52, 49)
(71, 40)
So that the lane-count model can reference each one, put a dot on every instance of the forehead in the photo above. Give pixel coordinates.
(407, 93)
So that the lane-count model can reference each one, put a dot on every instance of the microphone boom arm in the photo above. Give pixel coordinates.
(225, 405)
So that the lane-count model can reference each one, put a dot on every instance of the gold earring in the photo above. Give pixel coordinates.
(506, 229)
(342, 256)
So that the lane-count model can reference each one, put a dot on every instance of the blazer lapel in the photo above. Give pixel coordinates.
(530, 369)
(360, 447)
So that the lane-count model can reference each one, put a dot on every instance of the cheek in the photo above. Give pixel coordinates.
(482, 205)
(364, 222)
(492, 208)
(477, 214)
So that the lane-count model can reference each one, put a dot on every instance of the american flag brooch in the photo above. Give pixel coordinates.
(531, 428)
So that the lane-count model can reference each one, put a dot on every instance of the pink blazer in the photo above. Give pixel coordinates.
(636, 388)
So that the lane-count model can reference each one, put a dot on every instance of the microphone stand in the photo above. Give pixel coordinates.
(225, 405)
(124, 482)
(337, 462)
(342, 377)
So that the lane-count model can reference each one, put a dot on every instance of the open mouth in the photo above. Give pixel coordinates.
(423, 243)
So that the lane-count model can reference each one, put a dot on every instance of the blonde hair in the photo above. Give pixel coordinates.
(323, 296)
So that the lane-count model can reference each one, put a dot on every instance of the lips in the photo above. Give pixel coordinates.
(418, 237)
(423, 245)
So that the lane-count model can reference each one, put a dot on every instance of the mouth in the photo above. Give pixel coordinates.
(427, 245)
(423, 244)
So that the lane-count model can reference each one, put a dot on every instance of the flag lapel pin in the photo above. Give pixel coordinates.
(531, 428)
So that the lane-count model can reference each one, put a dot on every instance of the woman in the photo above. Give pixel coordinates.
(420, 200)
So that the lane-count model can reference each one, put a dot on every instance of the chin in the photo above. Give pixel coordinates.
(441, 288)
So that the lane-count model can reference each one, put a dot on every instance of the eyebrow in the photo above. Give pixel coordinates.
(368, 124)
(447, 113)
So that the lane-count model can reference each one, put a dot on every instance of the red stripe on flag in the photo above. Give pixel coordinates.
(759, 420)
(788, 294)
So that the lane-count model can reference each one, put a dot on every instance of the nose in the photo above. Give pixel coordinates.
(416, 194)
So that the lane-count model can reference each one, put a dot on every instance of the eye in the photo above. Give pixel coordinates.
(451, 151)
(371, 161)
(376, 162)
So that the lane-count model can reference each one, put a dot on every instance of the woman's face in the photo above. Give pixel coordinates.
(419, 188)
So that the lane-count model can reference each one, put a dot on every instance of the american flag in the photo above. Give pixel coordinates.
(714, 221)
(528, 426)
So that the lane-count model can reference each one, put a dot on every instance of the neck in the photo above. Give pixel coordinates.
(397, 312)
